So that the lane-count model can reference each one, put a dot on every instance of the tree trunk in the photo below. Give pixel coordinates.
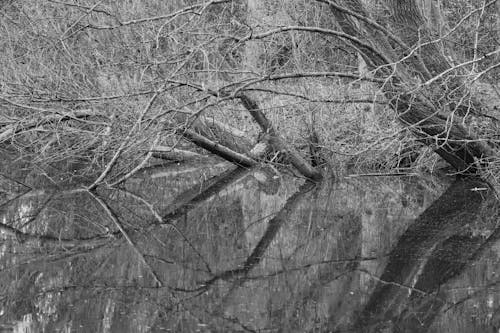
(422, 108)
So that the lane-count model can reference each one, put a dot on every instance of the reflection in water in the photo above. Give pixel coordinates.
(437, 247)
(247, 251)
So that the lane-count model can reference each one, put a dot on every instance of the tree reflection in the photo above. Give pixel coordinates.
(442, 241)
(225, 253)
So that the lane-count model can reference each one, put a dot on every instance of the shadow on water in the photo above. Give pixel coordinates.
(239, 250)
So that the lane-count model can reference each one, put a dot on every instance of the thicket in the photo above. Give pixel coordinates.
(115, 84)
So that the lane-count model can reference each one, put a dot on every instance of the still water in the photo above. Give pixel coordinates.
(187, 248)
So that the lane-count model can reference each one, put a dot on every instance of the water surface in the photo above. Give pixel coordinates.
(189, 248)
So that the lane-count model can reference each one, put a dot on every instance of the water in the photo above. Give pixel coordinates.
(183, 248)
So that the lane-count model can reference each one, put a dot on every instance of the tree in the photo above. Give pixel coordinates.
(415, 57)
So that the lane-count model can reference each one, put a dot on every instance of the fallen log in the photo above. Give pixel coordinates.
(277, 142)
(217, 148)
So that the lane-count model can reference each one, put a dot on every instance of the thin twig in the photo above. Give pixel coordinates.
(113, 218)
(126, 140)
(139, 166)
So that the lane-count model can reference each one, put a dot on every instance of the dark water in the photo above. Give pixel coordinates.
(214, 249)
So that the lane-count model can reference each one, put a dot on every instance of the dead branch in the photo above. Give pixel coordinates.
(217, 149)
(277, 142)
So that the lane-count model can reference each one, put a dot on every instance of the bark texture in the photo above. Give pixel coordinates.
(431, 111)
